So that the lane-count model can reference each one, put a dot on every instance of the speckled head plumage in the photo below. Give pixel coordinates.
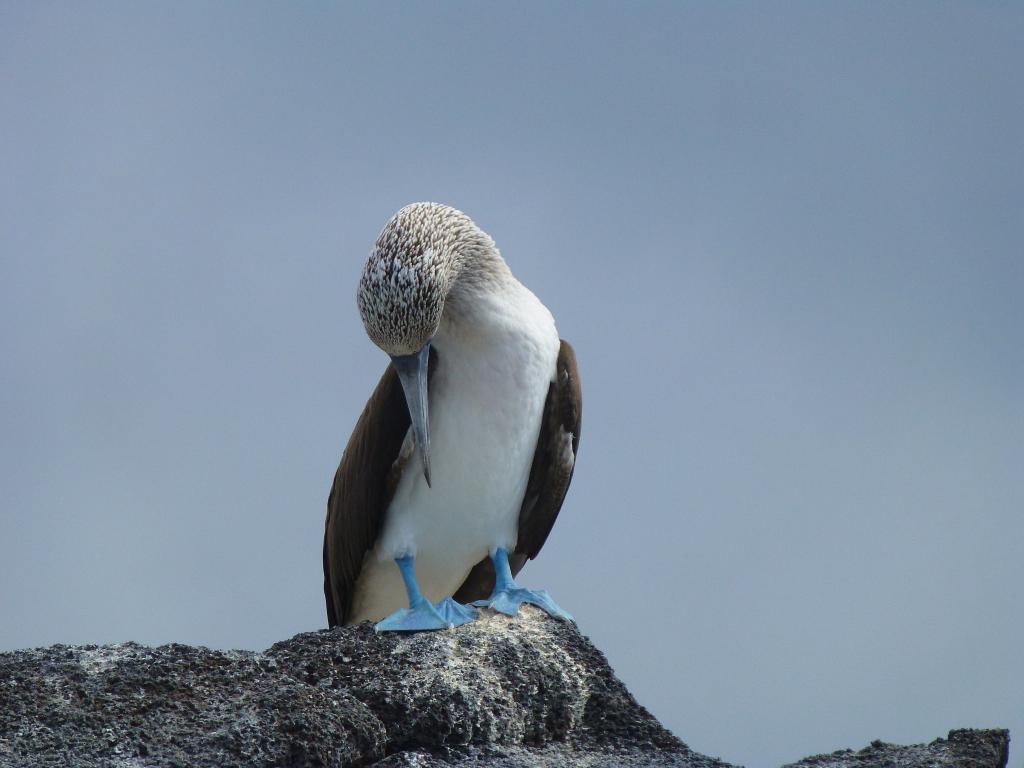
(418, 257)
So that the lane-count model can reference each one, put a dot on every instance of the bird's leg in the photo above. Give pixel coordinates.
(421, 614)
(508, 596)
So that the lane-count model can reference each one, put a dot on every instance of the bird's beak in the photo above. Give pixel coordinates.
(412, 372)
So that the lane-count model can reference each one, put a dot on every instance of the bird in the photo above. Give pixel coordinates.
(459, 463)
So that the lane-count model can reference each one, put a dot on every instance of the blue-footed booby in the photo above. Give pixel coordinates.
(458, 465)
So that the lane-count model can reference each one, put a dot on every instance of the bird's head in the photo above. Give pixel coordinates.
(405, 280)
(415, 262)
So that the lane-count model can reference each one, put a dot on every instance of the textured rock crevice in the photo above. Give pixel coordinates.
(529, 691)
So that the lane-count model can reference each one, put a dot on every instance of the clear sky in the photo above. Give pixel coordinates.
(786, 241)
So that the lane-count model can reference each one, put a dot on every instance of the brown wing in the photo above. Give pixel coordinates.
(362, 490)
(550, 475)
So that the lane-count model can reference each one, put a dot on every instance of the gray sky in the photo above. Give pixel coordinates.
(787, 242)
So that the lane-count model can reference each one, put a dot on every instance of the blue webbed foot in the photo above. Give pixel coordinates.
(417, 617)
(421, 614)
(508, 596)
(456, 614)
(508, 601)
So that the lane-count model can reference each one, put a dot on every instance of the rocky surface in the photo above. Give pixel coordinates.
(529, 691)
(962, 748)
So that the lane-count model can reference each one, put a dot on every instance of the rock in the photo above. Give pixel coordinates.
(528, 691)
(962, 748)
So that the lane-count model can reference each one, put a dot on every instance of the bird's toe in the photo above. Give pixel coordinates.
(456, 613)
(507, 601)
(422, 616)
